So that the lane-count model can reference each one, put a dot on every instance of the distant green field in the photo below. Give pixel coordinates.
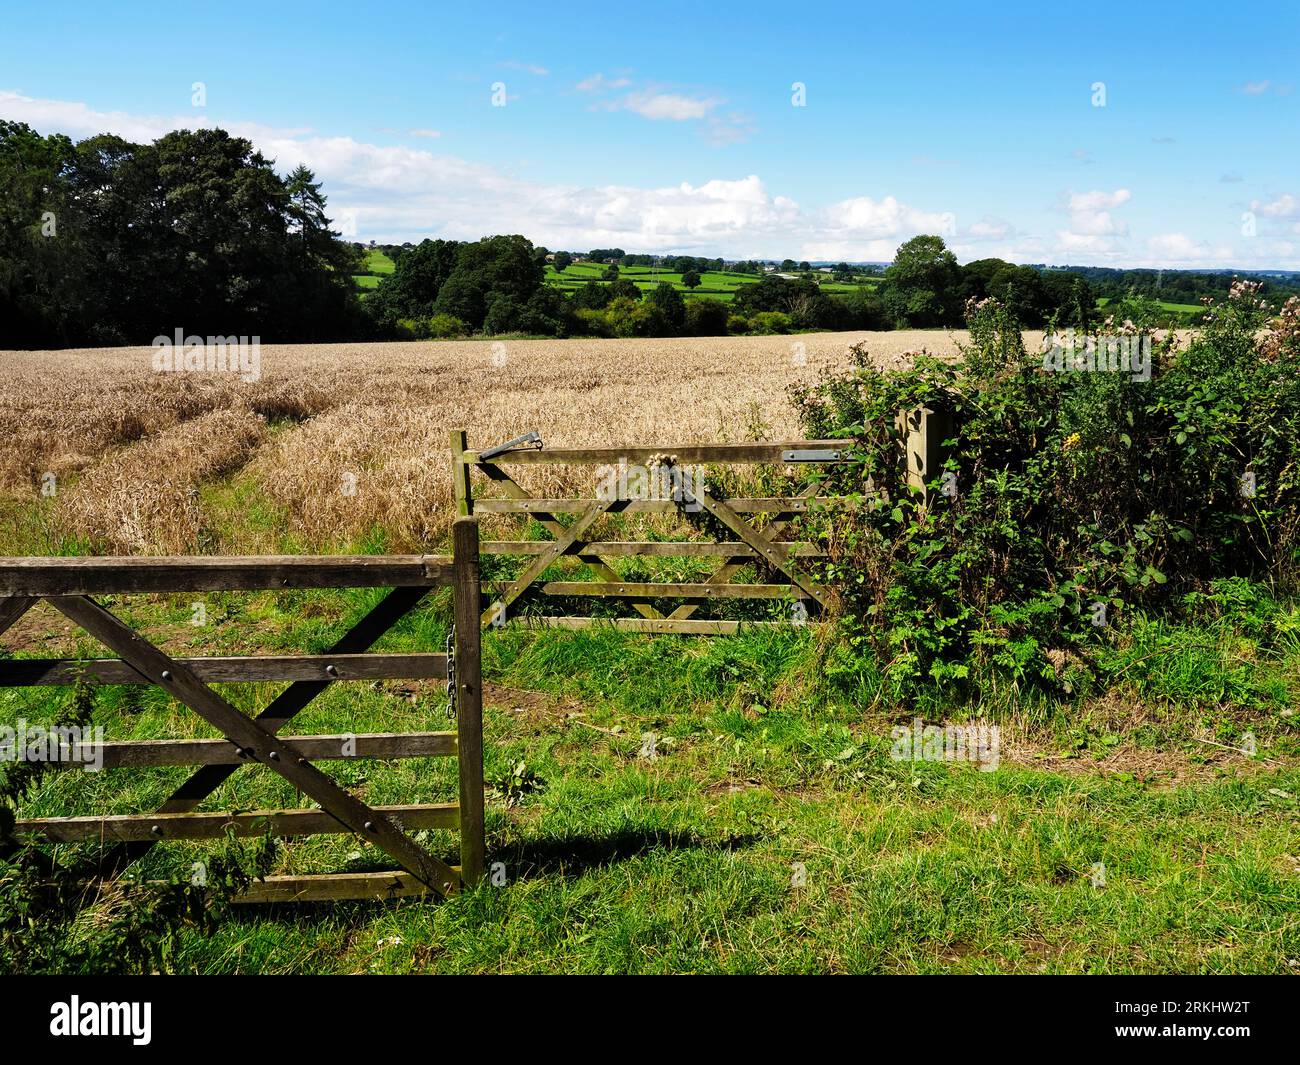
(377, 264)
(1180, 308)
(721, 285)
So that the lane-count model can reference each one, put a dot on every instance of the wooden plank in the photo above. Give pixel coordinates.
(282, 709)
(666, 626)
(750, 452)
(116, 754)
(673, 590)
(261, 744)
(461, 485)
(740, 560)
(24, 672)
(593, 562)
(117, 575)
(726, 514)
(771, 505)
(333, 887)
(538, 565)
(659, 548)
(467, 594)
(285, 706)
(12, 608)
(133, 827)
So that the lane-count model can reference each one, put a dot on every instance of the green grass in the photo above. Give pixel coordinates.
(378, 265)
(1181, 308)
(772, 832)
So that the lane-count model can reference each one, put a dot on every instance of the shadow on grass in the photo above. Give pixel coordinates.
(576, 854)
(567, 856)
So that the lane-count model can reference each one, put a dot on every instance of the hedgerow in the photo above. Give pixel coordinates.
(1071, 497)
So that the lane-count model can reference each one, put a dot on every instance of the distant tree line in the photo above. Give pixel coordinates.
(497, 285)
(1175, 286)
(105, 241)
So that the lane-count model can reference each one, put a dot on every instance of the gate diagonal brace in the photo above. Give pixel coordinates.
(247, 734)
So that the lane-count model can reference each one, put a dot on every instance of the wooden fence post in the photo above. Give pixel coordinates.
(924, 430)
(469, 697)
(460, 473)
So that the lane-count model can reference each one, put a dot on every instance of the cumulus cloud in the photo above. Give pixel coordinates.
(666, 106)
(1092, 228)
(1096, 200)
(1284, 206)
(1177, 248)
(658, 103)
(600, 83)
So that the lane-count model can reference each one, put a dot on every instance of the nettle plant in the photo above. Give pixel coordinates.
(1071, 495)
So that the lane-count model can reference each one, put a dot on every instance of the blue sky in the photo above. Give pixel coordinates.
(673, 127)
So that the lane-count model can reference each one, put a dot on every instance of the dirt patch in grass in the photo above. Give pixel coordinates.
(1155, 767)
(531, 706)
(42, 629)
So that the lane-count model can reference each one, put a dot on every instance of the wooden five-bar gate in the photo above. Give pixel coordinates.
(779, 556)
(70, 585)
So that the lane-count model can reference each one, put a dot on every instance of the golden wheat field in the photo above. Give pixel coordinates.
(337, 439)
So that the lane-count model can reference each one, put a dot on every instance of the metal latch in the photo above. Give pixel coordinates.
(533, 439)
(810, 455)
(451, 672)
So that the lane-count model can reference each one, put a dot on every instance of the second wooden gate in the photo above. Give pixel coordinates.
(665, 486)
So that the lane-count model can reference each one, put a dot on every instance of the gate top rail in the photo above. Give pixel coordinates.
(751, 452)
(108, 575)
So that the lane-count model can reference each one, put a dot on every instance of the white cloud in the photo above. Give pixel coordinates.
(666, 106)
(528, 68)
(424, 133)
(864, 217)
(1092, 228)
(1097, 200)
(599, 83)
(79, 120)
(1285, 206)
(1177, 247)
(401, 192)
(1256, 88)
(733, 128)
(988, 229)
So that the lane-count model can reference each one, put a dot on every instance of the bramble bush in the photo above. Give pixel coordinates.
(1069, 498)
